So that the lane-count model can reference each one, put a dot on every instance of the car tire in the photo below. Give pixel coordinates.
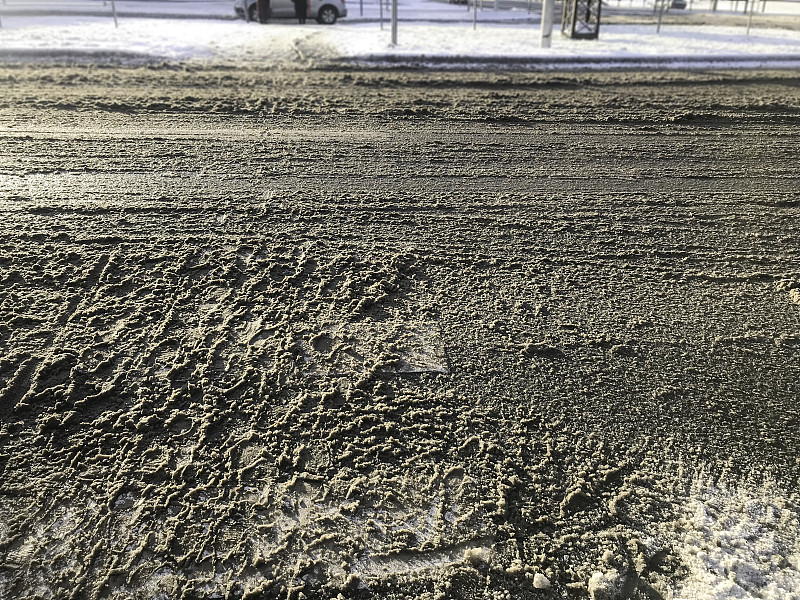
(253, 12)
(327, 15)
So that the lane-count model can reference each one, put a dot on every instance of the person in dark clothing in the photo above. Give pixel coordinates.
(263, 10)
(300, 10)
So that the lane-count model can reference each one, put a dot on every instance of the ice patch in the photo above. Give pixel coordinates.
(407, 347)
(475, 551)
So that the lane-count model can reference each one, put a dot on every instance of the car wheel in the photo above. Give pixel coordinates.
(253, 12)
(327, 15)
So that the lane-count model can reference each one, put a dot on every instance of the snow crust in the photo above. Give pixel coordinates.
(740, 543)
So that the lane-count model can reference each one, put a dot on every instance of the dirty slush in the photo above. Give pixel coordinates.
(398, 334)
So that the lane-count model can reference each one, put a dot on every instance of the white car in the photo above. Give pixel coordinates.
(324, 11)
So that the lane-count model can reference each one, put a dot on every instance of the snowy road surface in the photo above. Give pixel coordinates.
(391, 334)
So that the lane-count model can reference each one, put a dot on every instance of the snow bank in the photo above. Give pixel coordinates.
(519, 41)
(237, 41)
(161, 38)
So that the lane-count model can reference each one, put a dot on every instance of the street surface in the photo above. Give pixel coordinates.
(394, 334)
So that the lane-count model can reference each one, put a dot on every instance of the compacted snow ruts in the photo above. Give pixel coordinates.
(398, 334)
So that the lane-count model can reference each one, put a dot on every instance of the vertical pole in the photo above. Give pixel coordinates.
(661, 15)
(262, 8)
(750, 17)
(475, 15)
(547, 23)
(114, 12)
(394, 22)
(380, 4)
(361, 7)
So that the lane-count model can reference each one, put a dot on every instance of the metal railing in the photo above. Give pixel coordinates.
(61, 3)
(740, 6)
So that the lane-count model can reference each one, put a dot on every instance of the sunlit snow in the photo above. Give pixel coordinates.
(435, 31)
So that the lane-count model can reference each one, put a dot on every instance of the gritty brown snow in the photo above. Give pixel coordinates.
(277, 333)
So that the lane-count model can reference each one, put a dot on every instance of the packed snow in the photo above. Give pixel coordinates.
(739, 543)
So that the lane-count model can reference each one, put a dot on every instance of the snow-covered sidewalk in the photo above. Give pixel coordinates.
(430, 32)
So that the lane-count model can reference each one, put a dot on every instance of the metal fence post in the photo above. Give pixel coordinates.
(114, 12)
(547, 24)
(394, 22)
